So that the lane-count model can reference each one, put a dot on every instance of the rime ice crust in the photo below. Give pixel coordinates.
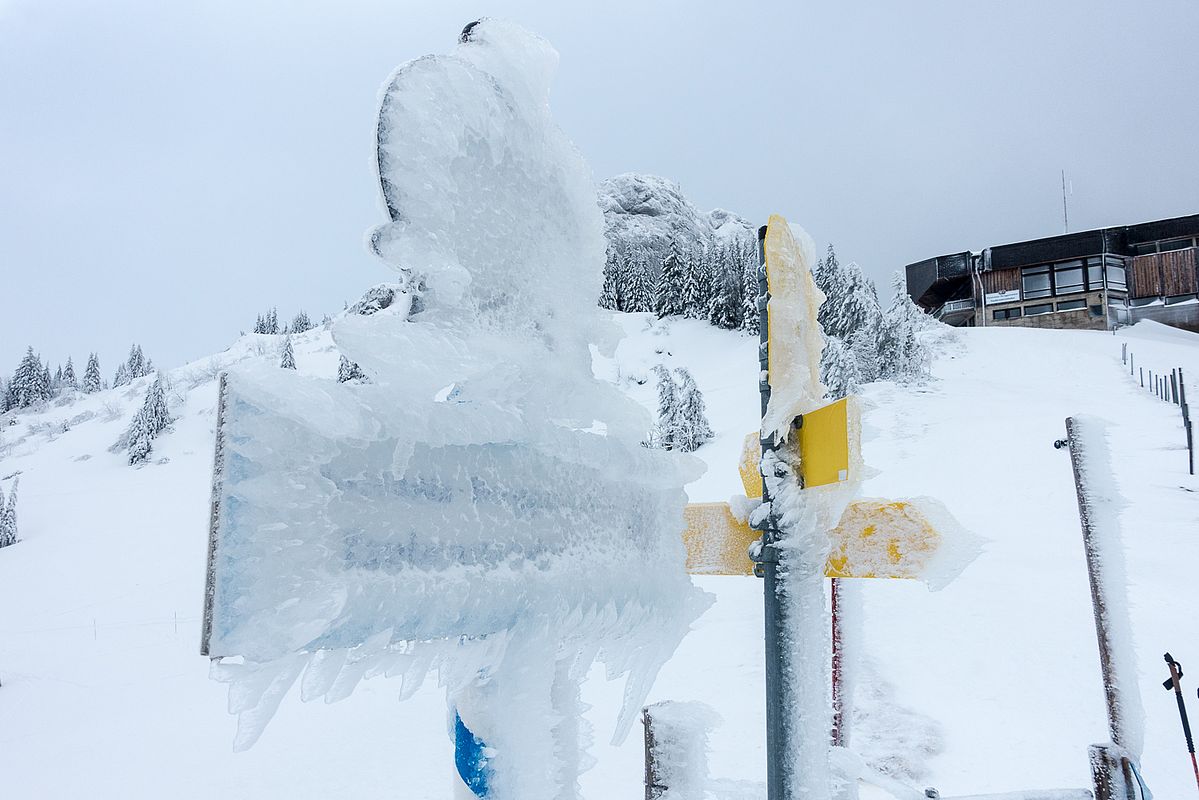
(463, 511)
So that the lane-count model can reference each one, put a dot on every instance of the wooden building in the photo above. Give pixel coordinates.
(1094, 279)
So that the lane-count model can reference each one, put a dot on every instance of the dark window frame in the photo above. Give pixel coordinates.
(1034, 310)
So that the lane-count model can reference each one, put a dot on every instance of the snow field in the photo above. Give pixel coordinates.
(989, 685)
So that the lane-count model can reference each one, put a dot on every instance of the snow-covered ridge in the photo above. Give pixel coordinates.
(647, 212)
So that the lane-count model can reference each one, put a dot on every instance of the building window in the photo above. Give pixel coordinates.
(1043, 308)
(1144, 248)
(1174, 244)
(1067, 277)
(1094, 273)
(1035, 282)
(1096, 311)
(1070, 305)
(1006, 313)
(1115, 278)
(1179, 298)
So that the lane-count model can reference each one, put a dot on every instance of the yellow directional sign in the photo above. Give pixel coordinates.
(717, 542)
(749, 466)
(882, 539)
(875, 539)
(824, 444)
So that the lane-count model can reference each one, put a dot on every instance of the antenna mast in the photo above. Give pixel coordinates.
(1065, 211)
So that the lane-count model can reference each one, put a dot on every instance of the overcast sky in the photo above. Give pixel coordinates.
(170, 169)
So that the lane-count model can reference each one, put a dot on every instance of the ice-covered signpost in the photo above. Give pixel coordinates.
(482, 506)
(811, 469)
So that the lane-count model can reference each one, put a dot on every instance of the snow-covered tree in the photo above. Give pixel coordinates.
(68, 375)
(348, 370)
(8, 516)
(850, 298)
(151, 420)
(749, 264)
(121, 378)
(288, 359)
(259, 325)
(640, 286)
(272, 321)
(692, 427)
(902, 356)
(666, 428)
(30, 383)
(838, 368)
(670, 287)
(696, 288)
(608, 292)
(92, 382)
(136, 363)
(300, 322)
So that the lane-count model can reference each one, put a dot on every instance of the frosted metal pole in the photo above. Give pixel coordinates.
(779, 659)
(1111, 689)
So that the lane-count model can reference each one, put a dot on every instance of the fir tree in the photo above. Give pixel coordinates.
(864, 347)
(608, 292)
(693, 428)
(748, 266)
(641, 295)
(260, 325)
(300, 322)
(68, 375)
(151, 420)
(29, 384)
(838, 369)
(348, 370)
(272, 321)
(136, 364)
(122, 375)
(670, 287)
(902, 356)
(666, 430)
(288, 359)
(694, 294)
(8, 516)
(92, 382)
(45, 381)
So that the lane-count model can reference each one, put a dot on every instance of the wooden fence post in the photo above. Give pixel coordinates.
(1111, 775)
(653, 782)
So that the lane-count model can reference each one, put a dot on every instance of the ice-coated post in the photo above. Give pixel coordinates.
(1111, 688)
(1142, 377)
(779, 735)
(653, 779)
(1108, 774)
(1124, 353)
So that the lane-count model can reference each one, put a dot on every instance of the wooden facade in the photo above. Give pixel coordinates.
(1001, 280)
(1164, 274)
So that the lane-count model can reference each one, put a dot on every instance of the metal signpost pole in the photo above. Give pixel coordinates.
(778, 659)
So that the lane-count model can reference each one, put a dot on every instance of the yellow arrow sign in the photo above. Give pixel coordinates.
(882, 539)
(717, 542)
(875, 539)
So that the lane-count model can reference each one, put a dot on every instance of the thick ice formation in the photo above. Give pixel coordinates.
(804, 516)
(463, 511)
(1102, 495)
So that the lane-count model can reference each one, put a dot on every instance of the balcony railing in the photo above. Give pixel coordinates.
(953, 307)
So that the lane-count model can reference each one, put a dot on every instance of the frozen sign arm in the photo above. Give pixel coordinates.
(370, 529)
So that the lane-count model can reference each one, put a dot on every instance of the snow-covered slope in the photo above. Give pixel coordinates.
(990, 685)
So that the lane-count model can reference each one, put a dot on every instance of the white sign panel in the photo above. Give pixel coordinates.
(1010, 296)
